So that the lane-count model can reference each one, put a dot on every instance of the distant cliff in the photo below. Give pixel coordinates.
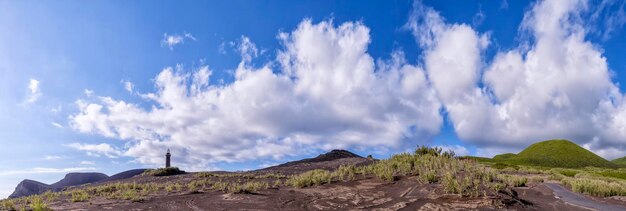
(30, 187)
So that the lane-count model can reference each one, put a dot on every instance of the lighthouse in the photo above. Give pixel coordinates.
(167, 158)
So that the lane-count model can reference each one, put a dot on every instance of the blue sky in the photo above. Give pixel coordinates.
(107, 86)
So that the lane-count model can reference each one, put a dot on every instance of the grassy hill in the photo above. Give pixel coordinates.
(619, 161)
(555, 153)
(504, 156)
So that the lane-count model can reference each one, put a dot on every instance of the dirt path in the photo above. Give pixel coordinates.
(580, 200)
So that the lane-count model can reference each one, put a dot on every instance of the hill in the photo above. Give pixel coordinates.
(29, 187)
(329, 160)
(124, 175)
(504, 156)
(73, 179)
(619, 161)
(555, 153)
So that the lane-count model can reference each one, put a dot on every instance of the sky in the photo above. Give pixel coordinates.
(108, 86)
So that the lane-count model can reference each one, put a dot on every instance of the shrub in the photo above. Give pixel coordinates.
(130, 194)
(277, 183)
(251, 187)
(514, 180)
(37, 204)
(429, 176)
(221, 186)
(204, 174)
(310, 178)
(169, 187)
(345, 172)
(596, 187)
(450, 184)
(383, 171)
(425, 150)
(567, 172)
(8, 204)
(79, 196)
(163, 171)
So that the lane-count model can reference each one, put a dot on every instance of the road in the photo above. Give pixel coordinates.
(580, 200)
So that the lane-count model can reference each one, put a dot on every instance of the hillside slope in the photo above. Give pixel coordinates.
(555, 153)
(619, 161)
(73, 179)
(329, 160)
(29, 187)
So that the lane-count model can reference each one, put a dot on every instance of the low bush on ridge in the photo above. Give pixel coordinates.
(163, 171)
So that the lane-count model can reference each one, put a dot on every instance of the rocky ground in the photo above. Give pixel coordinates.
(364, 192)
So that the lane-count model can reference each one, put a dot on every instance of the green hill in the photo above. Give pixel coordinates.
(477, 159)
(555, 153)
(619, 161)
(504, 156)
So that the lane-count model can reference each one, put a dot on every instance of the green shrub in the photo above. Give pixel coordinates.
(450, 184)
(221, 186)
(429, 176)
(425, 150)
(37, 204)
(345, 172)
(130, 194)
(205, 174)
(383, 171)
(514, 180)
(596, 187)
(567, 172)
(163, 171)
(310, 178)
(79, 196)
(8, 204)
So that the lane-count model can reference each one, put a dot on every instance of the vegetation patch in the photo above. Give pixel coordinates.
(555, 153)
(163, 171)
(310, 178)
(504, 156)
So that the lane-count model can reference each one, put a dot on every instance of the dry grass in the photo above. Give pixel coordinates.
(310, 178)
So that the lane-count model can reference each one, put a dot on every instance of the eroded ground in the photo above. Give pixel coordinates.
(362, 194)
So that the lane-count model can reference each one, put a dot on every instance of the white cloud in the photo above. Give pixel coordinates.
(88, 92)
(56, 109)
(555, 85)
(129, 86)
(41, 170)
(189, 36)
(85, 162)
(52, 157)
(34, 91)
(172, 40)
(328, 93)
(97, 149)
(56, 124)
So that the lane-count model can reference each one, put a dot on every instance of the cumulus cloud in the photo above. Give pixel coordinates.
(327, 93)
(556, 84)
(97, 150)
(172, 40)
(34, 92)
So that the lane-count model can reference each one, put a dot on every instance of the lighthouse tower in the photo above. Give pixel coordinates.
(167, 158)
